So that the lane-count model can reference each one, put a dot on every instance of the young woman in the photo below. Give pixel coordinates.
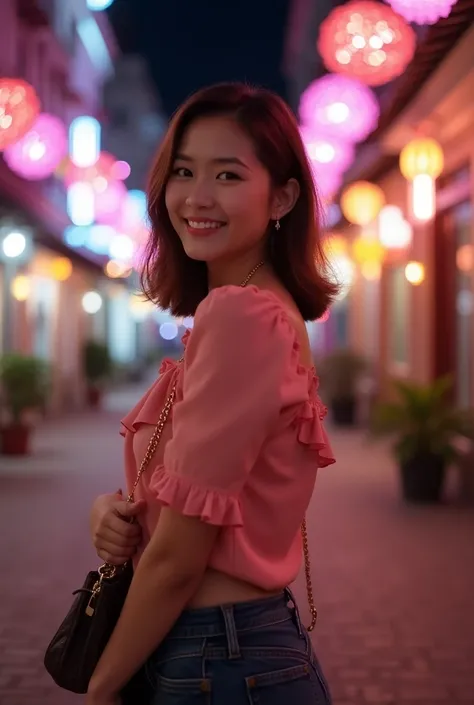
(219, 508)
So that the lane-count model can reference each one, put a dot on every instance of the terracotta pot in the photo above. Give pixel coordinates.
(15, 439)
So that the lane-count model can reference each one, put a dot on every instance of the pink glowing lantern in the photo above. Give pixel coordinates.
(340, 106)
(37, 154)
(19, 108)
(326, 150)
(108, 202)
(366, 40)
(102, 170)
(422, 12)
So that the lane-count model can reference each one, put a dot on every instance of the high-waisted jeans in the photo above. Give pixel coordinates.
(251, 653)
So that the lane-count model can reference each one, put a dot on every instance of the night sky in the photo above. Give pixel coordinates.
(190, 44)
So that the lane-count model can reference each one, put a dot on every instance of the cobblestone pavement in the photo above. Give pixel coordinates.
(394, 584)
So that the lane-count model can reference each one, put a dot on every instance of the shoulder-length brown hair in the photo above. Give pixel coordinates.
(176, 282)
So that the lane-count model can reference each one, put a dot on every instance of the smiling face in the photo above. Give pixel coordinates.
(219, 196)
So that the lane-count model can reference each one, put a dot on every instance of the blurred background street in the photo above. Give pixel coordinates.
(382, 90)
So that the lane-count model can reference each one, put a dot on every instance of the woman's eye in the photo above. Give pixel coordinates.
(181, 171)
(228, 176)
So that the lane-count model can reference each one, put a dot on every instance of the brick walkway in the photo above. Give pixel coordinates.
(395, 585)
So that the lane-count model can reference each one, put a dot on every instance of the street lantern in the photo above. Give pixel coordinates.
(366, 40)
(421, 162)
(19, 107)
(421, 156)
(361, 202)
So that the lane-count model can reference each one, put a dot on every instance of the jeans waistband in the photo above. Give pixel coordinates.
(228, 620)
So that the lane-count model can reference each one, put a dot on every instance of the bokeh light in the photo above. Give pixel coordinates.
(422, 12)
(366, 40)
(415, 273)
(37, 154)
(341, 106)
(92, 302)
(20, 287)
(361, 202)
(19, 108)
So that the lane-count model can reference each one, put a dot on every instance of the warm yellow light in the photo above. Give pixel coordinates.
(421, 156)
(334, 245)
(395, 233)
(465, 258)
(20, 287)
(362, 202)
(61, 268)
(371, 271)
(140, 308)
(367, 250)
(423, 198)
(415, 273)
(115, 269)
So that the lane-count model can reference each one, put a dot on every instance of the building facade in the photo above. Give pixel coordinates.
(66, 52)
(425, 330)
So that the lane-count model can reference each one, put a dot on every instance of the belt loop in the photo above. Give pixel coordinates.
(294, 608)
(231, 632)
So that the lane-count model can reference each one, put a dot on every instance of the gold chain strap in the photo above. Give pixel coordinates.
(155, 439)
(309, 582)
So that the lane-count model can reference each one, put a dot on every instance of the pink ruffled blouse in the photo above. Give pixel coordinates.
(244, 440)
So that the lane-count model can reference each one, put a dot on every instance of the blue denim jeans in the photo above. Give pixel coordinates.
(252, 653)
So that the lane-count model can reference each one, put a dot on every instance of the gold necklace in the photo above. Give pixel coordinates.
(251, 273)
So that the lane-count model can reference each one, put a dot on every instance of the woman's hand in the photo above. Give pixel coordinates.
(114, 537)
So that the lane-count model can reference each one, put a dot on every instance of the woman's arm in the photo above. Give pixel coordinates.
(167, 576)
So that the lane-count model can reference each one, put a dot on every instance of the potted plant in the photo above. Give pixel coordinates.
(426, 427)
(97, 367)
(340, 372)
(24, 386)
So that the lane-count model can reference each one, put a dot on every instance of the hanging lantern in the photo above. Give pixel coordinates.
(327, 151)
(19, 108)
(421, 162)
(367, 250)
(366, 40)
(342, 107)
(37, 154)
(421, 156)
(422, 12)
(361, 202)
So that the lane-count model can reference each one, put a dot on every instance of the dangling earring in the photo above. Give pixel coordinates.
(277, 224)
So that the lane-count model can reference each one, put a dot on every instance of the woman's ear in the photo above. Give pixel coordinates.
(284, 199)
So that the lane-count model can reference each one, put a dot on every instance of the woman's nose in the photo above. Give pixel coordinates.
(200, 196)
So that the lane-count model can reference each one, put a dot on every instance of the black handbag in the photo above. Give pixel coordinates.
(75, 649)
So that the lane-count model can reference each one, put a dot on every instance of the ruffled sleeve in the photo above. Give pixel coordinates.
(236, 362)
